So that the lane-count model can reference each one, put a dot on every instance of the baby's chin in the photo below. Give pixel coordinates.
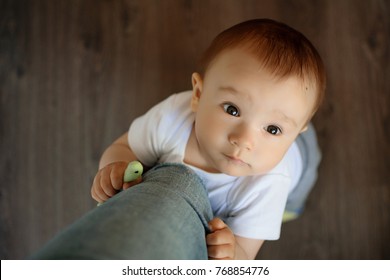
(244, 171)
(237, 171)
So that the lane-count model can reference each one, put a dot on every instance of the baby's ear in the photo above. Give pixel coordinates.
(304, 129)
(197, 85)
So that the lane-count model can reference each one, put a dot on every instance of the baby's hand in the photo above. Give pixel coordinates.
(221, 243)
(109, 180)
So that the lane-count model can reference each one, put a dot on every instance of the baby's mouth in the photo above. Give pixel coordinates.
(236, 160)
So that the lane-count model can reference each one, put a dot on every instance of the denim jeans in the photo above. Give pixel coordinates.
(164, 217)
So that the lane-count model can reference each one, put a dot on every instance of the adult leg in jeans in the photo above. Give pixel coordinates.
(164, 217)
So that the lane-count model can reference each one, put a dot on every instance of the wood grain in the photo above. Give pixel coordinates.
(73, 74)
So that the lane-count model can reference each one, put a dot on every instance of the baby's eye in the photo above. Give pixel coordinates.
(273, 129)
(231, 110)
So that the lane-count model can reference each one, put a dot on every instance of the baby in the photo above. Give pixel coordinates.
(259, 85)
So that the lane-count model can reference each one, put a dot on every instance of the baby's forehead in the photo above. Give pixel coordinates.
(233, 70)
(237, 57)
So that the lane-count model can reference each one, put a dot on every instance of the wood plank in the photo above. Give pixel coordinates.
(73, 74)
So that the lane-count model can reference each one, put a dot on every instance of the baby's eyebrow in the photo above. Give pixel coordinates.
(286, 118)
(234, 91)
(228, 89)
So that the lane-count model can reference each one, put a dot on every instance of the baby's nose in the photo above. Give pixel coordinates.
(242, 138)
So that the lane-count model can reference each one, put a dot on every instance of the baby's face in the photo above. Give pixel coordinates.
(245, 118)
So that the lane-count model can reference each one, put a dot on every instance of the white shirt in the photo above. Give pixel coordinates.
(251, 206)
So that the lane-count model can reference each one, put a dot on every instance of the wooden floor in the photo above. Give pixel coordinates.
(73, 75)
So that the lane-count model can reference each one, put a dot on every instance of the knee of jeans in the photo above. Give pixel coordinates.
(184, 182)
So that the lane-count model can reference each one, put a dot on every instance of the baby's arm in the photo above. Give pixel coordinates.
(109, 179)
(223, 244)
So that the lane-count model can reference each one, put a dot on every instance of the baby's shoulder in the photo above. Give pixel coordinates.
(175, 111)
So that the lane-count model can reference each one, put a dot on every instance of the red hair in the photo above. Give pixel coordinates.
(282, 50)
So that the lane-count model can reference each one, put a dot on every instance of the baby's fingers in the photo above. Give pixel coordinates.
(98, 196)
(221, 244)
(132, 183)
(106, 183)
(220, 237)
(97, 192)
(220, 252)
(116, 176)
(217, 224)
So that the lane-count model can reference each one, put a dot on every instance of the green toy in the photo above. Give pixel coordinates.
(133, 171)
